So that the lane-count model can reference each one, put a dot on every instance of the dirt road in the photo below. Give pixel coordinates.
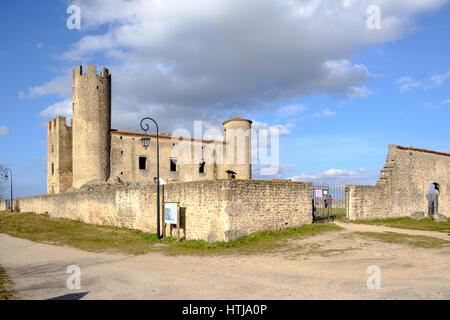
(329, 266)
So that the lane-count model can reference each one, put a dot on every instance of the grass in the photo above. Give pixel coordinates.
(334, 213)
(39, 228)
(6, 287)
(426, 224)
(412, 240)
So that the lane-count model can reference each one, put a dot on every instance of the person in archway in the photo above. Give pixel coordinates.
(326, 202)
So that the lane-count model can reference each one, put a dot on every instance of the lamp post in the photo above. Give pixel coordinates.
(5, 174)
(145, 140)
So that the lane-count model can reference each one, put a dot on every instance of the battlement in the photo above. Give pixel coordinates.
(92, 71)
(58, 122)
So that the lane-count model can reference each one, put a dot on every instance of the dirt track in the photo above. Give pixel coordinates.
(329, 266)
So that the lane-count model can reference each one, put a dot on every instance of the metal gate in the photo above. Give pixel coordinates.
(329, 202)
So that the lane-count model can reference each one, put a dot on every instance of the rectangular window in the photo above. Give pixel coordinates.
(201, 168)
(142, 163)
(53, 169)
(53, 148)
(173, 164)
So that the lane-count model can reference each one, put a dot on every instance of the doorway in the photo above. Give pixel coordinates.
(433, 199)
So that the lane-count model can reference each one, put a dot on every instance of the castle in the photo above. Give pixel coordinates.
(214, 208)
(89, 150)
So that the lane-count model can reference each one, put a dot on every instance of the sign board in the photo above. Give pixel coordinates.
(171, 213)
(325, 192)
(318, 193)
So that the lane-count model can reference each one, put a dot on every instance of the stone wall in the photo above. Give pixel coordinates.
(4, 205)
(403, 186)
(219, 210)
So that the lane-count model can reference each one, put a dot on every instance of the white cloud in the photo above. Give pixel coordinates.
(327, 113)
(445, 101)
(292, 109)
(202, 59)
(359, 92)
(407, 86)
(429, 106)
(341, 176)
(282, 129)
(39, 45)
(407, 83)
(3, 131)
(61, 86)
(61, 108)
(439, 79)
(405, 80)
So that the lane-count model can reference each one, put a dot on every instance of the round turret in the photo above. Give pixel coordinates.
(237, 134)
(91, 95)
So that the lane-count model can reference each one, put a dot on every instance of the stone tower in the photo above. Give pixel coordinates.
(91, 125)
(59, 156)
(237, 135)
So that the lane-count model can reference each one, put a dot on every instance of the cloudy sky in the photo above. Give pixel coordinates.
(338, 86)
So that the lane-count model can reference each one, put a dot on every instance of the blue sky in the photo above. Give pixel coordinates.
(341, 94)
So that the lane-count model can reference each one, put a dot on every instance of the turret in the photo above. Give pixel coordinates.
(237, 134)
(91, 124)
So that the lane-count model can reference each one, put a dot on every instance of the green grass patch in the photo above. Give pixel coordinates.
(6, 287)
(332, 213)
(40, 228)
(412, 240)
(426, 224)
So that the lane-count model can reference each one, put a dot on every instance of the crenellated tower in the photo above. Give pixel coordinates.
(91, 125)
(59, 156)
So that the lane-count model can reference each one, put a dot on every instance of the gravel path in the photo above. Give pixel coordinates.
(329, 266)
(372, 228)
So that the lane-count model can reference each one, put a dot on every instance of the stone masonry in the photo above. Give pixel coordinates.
(219, 210)
(403, 186)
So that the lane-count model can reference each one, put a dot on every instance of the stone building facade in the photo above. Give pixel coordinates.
(90, 150)
(404, 186)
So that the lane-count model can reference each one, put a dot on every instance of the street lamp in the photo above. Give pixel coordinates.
(5, 174)
(145, 140)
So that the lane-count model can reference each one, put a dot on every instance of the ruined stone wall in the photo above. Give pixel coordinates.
(218, 210)
(403, 186)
